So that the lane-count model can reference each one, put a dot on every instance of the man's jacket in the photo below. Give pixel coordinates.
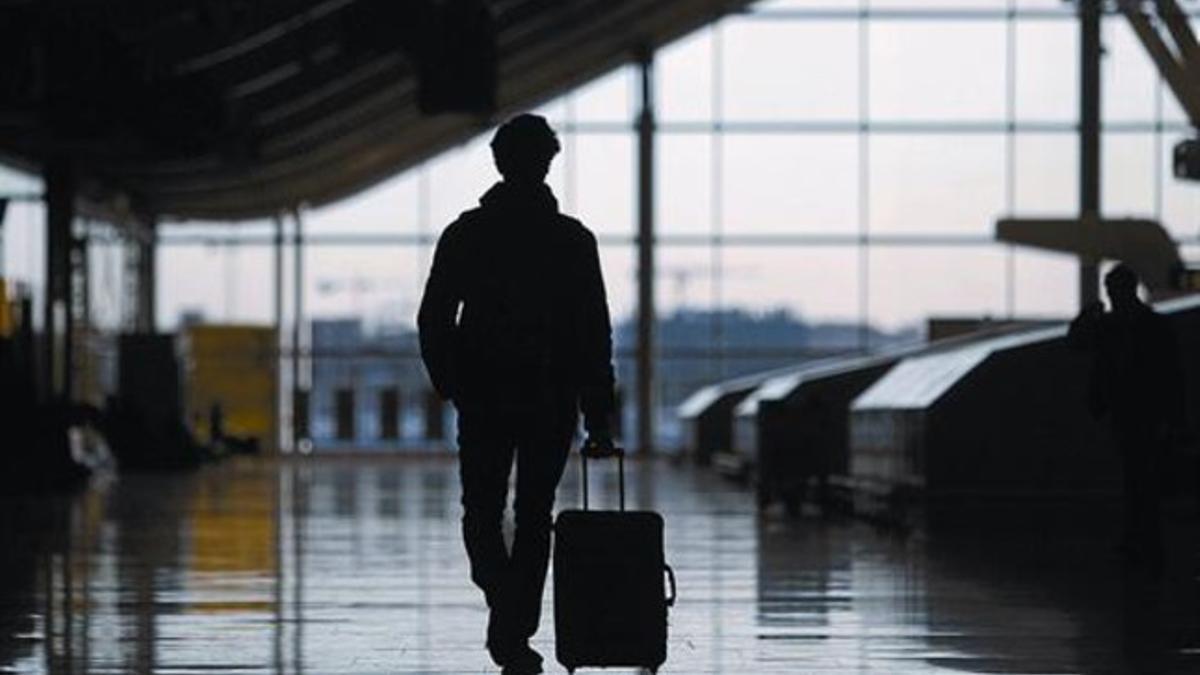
(515, 314)
(1136, 374)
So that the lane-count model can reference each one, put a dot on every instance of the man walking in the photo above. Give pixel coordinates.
(515, 330)
(1137, 383)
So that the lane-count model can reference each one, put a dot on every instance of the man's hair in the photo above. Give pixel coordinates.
(1121, 276)
(523, 140)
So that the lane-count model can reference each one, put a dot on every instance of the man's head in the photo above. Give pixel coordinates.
(1121, 282)
(523, 147)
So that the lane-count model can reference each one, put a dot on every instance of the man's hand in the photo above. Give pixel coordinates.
(599, 445)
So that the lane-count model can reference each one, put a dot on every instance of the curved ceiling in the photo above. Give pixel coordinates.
(236, 109)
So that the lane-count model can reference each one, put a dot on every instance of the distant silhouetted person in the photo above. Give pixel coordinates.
(1136, 383)
(515, 331)
(216, 426)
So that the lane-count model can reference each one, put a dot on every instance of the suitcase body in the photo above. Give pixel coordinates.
(610, 599)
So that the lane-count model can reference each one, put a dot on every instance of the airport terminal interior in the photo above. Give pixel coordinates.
(904, 301)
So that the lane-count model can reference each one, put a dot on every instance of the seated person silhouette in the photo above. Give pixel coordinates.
(515, 330)
(1135, 383)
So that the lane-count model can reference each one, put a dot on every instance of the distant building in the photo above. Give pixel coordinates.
(358, 366)
(352, 375)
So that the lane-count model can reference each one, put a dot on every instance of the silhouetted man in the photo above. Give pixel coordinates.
(1136, 383)
(515, 330)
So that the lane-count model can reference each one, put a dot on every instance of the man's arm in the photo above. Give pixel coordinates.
(595, 334)
(437, 318)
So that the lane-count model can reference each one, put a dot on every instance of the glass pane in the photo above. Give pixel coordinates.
(936, 184)
(555, 111)
(683, 78)
(24, 240)
(619, 265)
(683, 175)
(1047, 175)
(816, 284)
(1045, 284)
(1181, 199)
(908, 285)
(1172, 112)
(368, 283)
(1129, 77)
(221, 284)
(107, 279)
(1047, 76)
(789, 70)
(937, 70)
(1190, 252)
(14, 181)
(685, 281)
(564, 172)
(790, 183)
(604, 166)
(217, 232)
(457, 178)
(1127, 174)
(608, 98)
(390, 207)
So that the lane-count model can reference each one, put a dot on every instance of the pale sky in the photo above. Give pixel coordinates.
(788, 182)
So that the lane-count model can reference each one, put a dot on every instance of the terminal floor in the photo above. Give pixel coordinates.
(355, 566)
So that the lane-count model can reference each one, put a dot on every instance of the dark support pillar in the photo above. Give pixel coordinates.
(645, 243)
(1089, 139)
(81, 312)
(56, 319)
(299, 395)
(147, 276)
(82, 266)
(3, 210)
(277, 425)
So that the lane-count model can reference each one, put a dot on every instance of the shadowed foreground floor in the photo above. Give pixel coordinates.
(355, 566)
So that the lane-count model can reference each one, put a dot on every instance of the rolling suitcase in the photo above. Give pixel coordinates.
(610, 604)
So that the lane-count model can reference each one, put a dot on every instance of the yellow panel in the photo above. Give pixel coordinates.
(235, 367)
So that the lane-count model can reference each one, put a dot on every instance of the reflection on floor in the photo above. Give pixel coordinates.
(356, 567)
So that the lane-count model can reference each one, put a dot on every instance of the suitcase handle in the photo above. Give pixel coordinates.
(617, 452)
(671, 580)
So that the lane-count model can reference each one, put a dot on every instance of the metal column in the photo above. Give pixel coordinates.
(645, 243)
(1089, 139)
(147, 275)
(56, 321)
(79, 308)
(299, 395)
(3, 210)
(277, 425)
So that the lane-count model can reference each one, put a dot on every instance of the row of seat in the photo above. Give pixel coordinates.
(993, 415)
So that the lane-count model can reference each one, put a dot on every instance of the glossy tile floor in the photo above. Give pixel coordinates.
(355, 566)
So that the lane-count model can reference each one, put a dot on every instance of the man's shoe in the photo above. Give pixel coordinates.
(526, 669)
(522, 660)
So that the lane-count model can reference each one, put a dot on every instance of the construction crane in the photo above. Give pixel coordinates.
(357, 286)
(683, 275)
